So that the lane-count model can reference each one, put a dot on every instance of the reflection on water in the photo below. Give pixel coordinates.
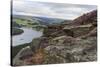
(26, 37)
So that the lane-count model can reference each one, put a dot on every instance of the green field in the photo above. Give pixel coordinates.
(26, 22)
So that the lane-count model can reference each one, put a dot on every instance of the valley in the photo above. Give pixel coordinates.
(64, 42)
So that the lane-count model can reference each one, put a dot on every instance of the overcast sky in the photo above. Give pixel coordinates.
(54, 10)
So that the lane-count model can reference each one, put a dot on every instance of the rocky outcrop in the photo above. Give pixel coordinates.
(78, 30)
(83, 24)
(76, 42)
(71, 50)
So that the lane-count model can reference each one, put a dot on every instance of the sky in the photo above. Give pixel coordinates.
(53, 10)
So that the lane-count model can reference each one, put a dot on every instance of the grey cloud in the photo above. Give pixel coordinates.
(58, 10)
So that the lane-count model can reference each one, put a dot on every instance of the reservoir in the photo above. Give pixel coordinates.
(26, 37)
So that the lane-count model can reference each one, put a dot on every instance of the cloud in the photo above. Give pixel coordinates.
(56, 10)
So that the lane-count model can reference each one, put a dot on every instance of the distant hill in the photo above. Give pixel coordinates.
(42, 20)
(46, 20)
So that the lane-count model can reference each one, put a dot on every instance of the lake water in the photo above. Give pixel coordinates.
(26, 37)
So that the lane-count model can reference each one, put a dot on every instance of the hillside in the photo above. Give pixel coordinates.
(63, 43)
(86, 18)
(42, 20)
